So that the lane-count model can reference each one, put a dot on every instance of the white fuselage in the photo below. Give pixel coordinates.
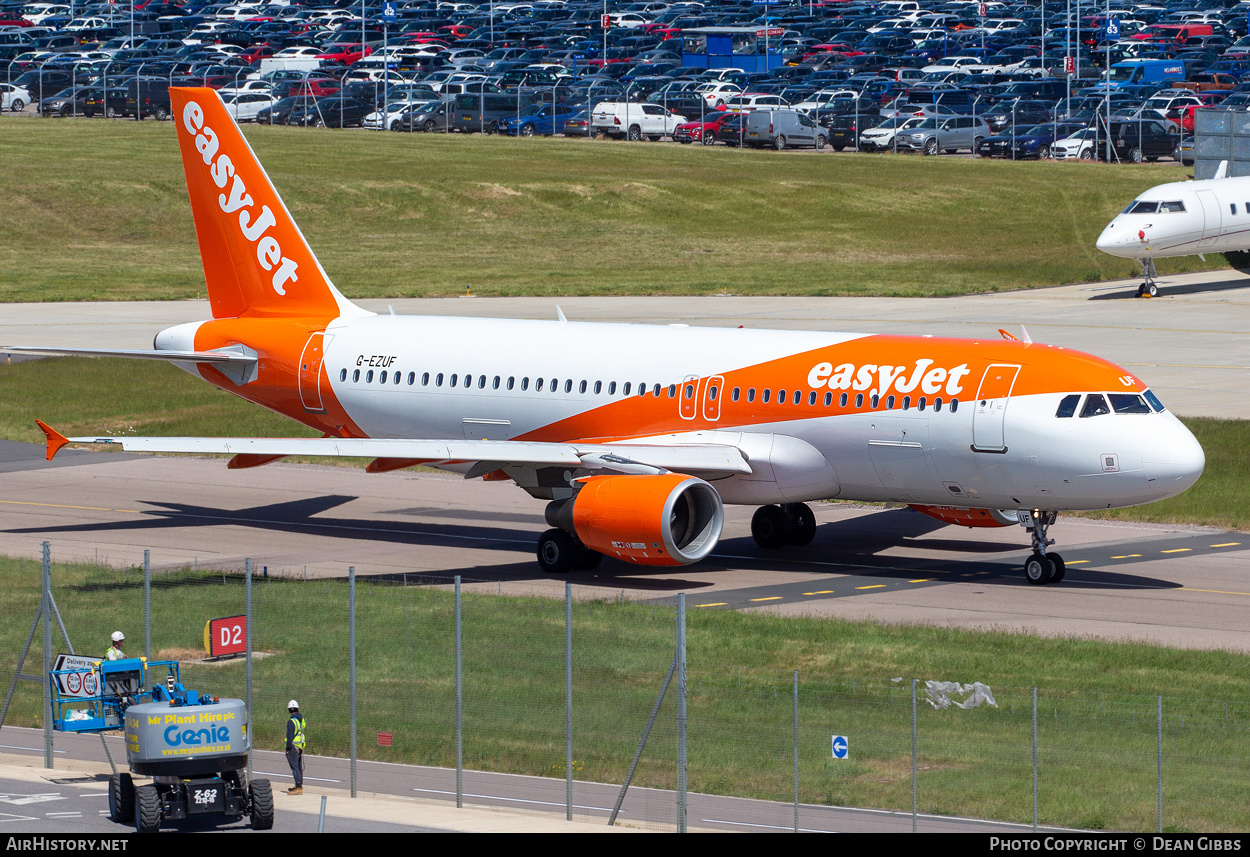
(1182, 219)
(922, 438)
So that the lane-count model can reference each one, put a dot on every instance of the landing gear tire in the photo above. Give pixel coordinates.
(557, 551)
(771, 527)
(587, 559)
(1039, 570)
(1060, 568)
(147, 809)
(121, 799)
(802, 524)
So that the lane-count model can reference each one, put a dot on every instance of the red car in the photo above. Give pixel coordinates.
(701, 132)
(346, 53)
(315, 86)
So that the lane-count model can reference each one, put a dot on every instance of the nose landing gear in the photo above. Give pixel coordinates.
(1041, 567)
(1148, 288)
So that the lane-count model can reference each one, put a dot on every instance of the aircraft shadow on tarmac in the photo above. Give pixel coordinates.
(1166, 290)
(853, 546)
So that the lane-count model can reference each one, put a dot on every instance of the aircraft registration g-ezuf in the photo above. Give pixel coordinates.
(637, 435)
(1181, 219)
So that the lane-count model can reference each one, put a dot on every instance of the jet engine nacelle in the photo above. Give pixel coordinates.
(662, 519)
(968, 517)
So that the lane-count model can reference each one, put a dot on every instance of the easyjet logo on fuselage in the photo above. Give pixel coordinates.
(881, 379)
(254, 227)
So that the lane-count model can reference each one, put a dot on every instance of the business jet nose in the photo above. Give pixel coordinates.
(1119, 240)
(1173, 459)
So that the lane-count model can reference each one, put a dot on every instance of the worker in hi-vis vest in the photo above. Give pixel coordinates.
(295, 746)
(115, 652)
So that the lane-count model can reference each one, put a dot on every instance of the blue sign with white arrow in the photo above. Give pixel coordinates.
(841, 747)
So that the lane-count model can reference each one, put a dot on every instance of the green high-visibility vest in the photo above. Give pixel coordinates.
(298, 740)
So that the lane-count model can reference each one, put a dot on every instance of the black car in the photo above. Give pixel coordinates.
(110, 102)
(1018, 113)
(1143, 140)
(332, 112)
(842, 130)
(279, 113)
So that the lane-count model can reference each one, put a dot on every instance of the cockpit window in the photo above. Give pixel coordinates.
(1154, 401)
(1142, 208)
(1095, 406)
(1067, 407)
(1129, 403)
(1172, 206)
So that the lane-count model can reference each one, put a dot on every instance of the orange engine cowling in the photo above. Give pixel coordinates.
(968, 517)
(666, 519)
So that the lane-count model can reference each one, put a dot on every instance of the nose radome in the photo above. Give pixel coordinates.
(1173, 459)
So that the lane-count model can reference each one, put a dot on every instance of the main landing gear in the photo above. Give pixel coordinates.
(560, 552)
(1148, 289)
(1041, 567)
(777, 526)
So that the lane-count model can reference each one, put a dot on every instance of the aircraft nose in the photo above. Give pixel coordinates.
(1116, 240)
(1173, 459)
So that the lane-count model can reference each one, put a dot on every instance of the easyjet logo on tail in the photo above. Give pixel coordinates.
(923, 374)
(254, 227)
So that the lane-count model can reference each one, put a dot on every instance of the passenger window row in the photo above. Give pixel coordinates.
(779, 396)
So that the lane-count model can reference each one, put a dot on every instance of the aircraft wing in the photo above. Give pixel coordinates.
(491, 454)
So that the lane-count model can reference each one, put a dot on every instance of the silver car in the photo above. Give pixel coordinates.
(948, 135)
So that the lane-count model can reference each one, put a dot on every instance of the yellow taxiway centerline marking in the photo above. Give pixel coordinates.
(1226, 545)
(921, 580)
(66, 506)
(769, 598)
(821, 592)
(1078, 562)
(874, 586)
(1177, 550)
(713, 604)
(1126, 556)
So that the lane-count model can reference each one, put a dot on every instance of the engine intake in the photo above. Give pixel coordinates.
(668, 519)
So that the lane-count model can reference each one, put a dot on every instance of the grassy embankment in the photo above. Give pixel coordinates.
(98, 210)
(82, 396)
(1097, 700)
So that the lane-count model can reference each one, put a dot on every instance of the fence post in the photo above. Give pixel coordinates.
(459, 709)
(913, 756)
(147, 604)
(351, 662)
(796, 751)
(1035, 760)
(47, 653)
(251, 629)
(568, 700)
(681, 712)
(1158, 754)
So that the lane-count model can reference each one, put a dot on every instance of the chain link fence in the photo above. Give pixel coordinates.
(454, 677)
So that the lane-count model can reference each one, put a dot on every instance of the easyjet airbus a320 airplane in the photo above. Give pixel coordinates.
(636, 435)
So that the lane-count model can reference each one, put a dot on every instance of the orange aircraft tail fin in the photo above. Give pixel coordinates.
(256, 261)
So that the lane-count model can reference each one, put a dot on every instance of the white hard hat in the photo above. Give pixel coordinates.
(118, 636)
(292, 704)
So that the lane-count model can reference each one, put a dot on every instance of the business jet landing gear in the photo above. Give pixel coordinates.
(560, 552)
(1148, 288)
(1041, 567)
(777, 526)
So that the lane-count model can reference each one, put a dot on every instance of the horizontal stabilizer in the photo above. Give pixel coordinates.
(223, 357)
(706, 458)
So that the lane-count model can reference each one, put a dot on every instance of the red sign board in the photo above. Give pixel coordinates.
(226, 636)
(605, 21)
(1069, 65)
(385, 739)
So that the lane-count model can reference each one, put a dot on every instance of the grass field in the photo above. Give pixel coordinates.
(84, 396)
(93, 210)
(1097, 727)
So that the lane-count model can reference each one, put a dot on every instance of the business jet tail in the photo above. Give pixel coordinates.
(256, 261)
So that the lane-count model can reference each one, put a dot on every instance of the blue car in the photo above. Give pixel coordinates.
(1033, 143)
(546, 120)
